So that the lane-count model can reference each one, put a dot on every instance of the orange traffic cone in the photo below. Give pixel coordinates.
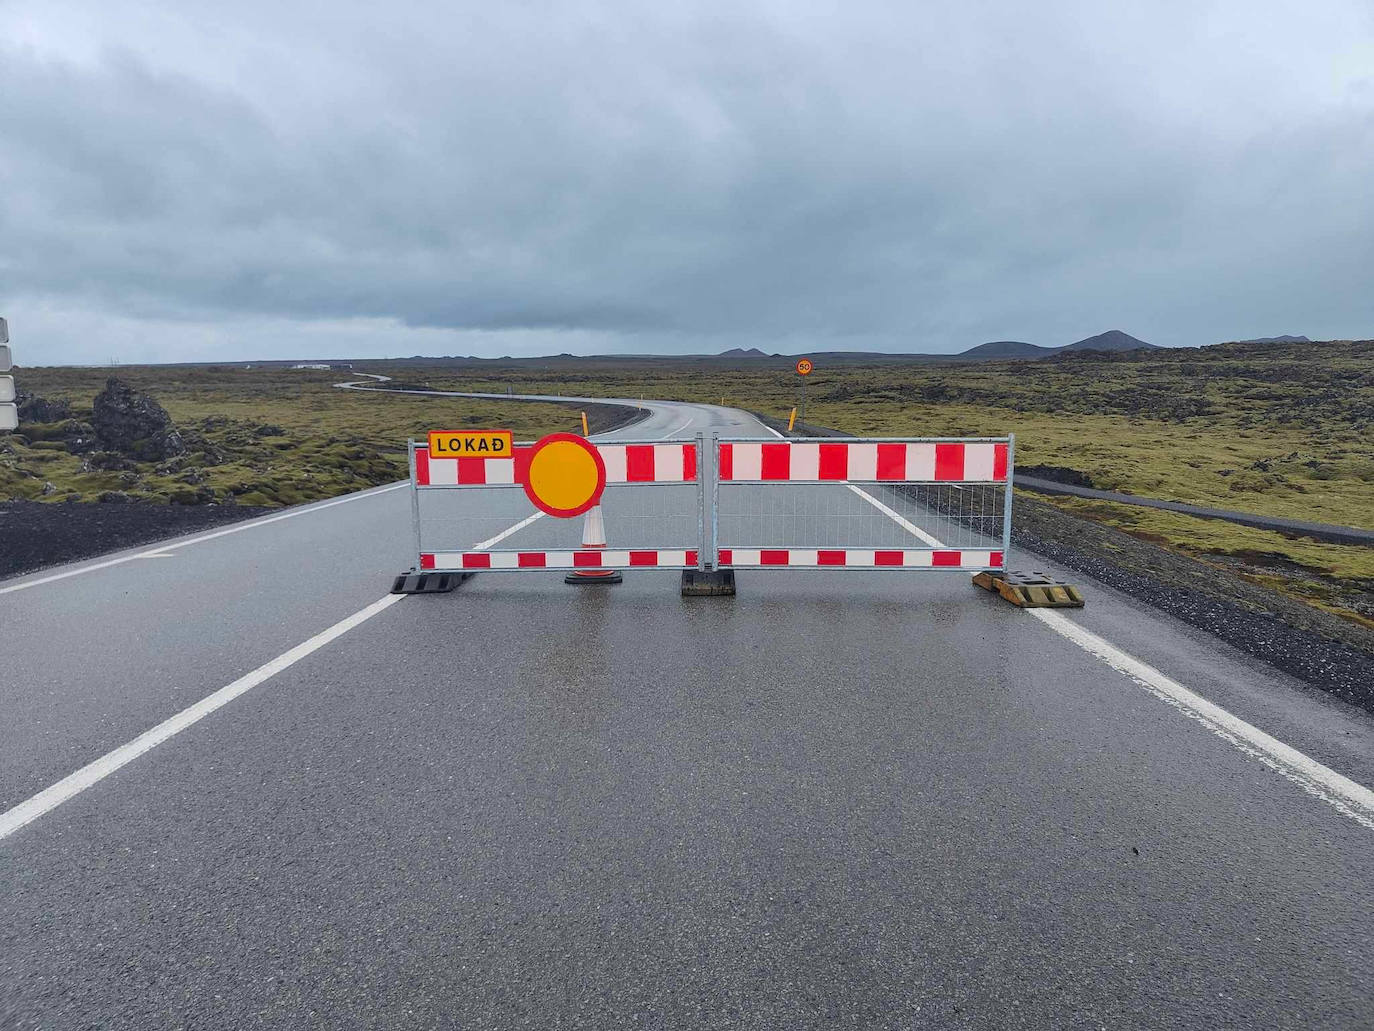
(593, 539)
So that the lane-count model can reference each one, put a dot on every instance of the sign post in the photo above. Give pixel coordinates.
(804, 367)
(9, 410)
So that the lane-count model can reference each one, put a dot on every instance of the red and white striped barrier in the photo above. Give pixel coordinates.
(899, 461)
(662, 558)
(625, 463)
(860, 558)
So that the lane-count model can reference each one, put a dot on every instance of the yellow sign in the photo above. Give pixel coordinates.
(565, 475)
(471, 444)
(804, 367)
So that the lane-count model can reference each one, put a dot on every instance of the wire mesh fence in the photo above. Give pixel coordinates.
(661, 523)
(849, 503)
(911, 503)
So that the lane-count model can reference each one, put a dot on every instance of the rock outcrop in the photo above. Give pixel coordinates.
(33, 408)
(132, 423)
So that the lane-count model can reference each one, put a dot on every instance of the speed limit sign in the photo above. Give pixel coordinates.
(804, 367)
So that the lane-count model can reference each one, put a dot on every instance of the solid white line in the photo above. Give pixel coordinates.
(94, 772)
(156, 551)
(1342, 793)
(896, 517)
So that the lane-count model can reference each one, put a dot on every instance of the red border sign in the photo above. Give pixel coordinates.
(804, 366)
(567, 438)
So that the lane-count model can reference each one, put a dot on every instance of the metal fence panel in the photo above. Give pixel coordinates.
(912, 503)
(474, 514)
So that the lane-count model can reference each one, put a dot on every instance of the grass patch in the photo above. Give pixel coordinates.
(257, 437)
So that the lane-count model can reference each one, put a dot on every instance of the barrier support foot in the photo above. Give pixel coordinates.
(1031, 590)
(428, 583)
(708, 582)
(591, 579)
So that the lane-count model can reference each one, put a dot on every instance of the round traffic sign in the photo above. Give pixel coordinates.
(565, 475)
(804, 367)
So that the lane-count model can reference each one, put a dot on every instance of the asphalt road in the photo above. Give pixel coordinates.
(840, 799)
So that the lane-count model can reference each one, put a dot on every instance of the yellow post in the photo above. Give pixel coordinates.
(584, 425)
(791, 420)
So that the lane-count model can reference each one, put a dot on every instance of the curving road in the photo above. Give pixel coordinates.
(839, 799)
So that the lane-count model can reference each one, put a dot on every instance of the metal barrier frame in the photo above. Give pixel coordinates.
(1009, 440)
(700, 483)
(708, 547)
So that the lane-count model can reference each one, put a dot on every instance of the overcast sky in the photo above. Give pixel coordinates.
(202, 180)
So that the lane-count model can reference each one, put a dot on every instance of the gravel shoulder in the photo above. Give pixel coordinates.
(34, 535)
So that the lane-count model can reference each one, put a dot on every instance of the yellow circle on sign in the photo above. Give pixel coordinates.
(564, 476)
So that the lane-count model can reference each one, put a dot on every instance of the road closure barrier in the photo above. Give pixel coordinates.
(482, 503)
(561, 503)
(909, 504)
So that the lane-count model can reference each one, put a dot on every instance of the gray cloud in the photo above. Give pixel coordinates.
(201, 180)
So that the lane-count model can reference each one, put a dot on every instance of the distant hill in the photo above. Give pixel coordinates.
(1007, 349)
(1112, 340)
(1277, 340)
(742, 352)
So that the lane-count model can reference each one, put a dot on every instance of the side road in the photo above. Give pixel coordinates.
(1319, 531)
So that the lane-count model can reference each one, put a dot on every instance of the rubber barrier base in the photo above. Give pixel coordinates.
(428, 583)
(708, 583)
(592, 581)
(1031, 590)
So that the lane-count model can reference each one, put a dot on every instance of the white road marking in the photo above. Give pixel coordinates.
(1338, 791)
(92, 773)
(676, 429)
(896, 517)
(1342, 793)
(157, 551)
(506, 532)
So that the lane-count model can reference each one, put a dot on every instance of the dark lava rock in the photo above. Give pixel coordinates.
(79, 437)
(33, 408)
(113, 497)
(269, 430)
(106, 461)
(135, 424)
(202, 496)
(1057, 473)
(202, 449)
(36, 534)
